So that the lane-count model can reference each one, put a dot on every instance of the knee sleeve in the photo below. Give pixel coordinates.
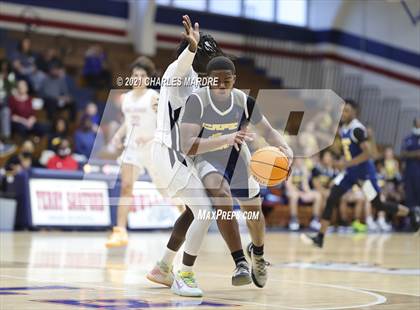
(388, 207)
(332, 201)
(195, 235)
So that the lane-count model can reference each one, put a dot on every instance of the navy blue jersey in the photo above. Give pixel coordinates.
(352, 135)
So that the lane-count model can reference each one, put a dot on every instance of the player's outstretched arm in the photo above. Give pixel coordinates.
(274, 138)
(186, 58)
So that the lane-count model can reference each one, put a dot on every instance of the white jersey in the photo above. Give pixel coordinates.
(172, 100)
(140, 117)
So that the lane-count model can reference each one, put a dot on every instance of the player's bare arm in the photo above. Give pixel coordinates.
(118, 136)
(191, 144)
(274, 138)
(364, 156)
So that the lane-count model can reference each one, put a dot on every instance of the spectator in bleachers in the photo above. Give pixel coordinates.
(43, 62)
(24, 121)
(323, 174)
(411, 156)
(7, 83)
(373, 146)
(59, 132)
(23, 60)
(95, 69)
(390, 172)
(298, 190)
(48, 58)
(63, 159)
(91, 110)
(24, 159)
(56, 94)
(85, 137)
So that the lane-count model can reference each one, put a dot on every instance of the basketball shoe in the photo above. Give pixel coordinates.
(258, 267)
(185, 284)
(118, 238)
(241, 274)
(161, 274)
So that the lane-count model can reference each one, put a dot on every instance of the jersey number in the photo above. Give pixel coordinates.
(346, 148)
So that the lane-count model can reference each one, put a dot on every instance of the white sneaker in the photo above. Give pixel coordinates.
(259, 267)
(384, 226)
(315, 225)
(372, 225)
(185, 285)
(294, 225)
(241, 274)
(161, 274)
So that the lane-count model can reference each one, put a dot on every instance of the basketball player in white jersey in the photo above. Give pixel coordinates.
(177, 174)
(139, 108)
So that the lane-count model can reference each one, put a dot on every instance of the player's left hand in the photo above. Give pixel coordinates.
(192, 35)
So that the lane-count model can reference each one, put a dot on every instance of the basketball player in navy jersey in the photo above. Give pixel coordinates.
(358, 169)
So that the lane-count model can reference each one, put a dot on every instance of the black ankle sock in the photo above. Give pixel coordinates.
(238, 256)
(258, 250)
(320, 236)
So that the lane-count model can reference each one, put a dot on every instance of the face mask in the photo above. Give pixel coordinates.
(27, 155)
(416, 131)
(64, 152)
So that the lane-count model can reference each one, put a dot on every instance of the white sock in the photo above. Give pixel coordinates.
(185, 268)
(168, 257)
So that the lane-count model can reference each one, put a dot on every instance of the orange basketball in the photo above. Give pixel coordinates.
(269, 166)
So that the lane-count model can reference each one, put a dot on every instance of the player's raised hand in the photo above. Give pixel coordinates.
(191, 34)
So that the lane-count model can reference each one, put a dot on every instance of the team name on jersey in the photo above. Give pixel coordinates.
(219, 127)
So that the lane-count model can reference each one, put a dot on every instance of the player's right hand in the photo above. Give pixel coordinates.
(192, 35)
(237, 138)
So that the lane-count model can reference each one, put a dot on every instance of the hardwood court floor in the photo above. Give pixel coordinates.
(73, 270)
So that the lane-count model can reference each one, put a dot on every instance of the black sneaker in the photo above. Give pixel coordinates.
(315, 240)
(241, 274)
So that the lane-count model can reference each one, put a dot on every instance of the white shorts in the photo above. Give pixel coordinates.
(172, 170)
